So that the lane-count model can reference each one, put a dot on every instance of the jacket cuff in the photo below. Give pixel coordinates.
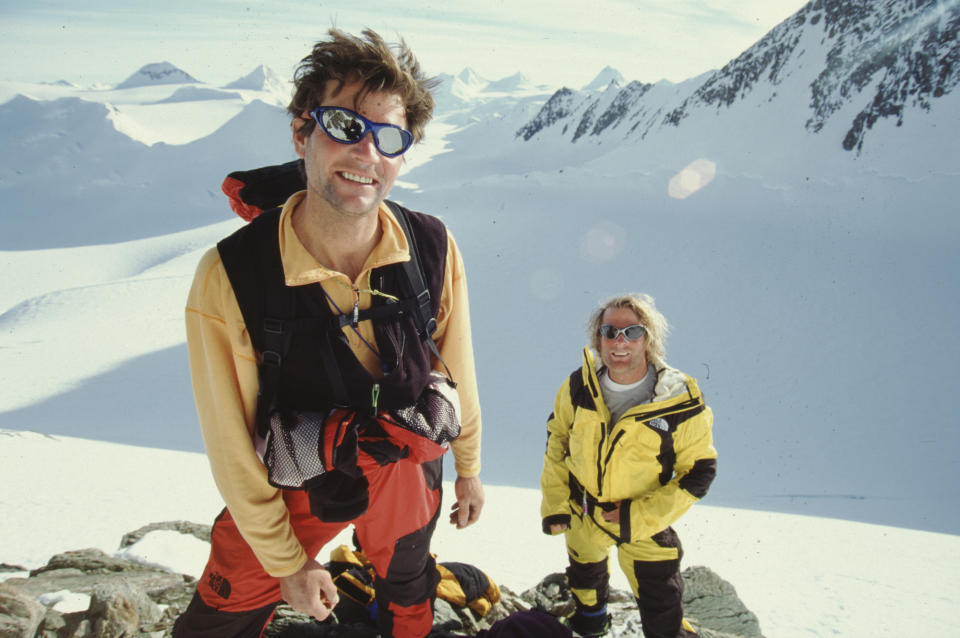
(555, 519)
(289, 569)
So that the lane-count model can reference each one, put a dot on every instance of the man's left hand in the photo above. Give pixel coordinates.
(466, 510)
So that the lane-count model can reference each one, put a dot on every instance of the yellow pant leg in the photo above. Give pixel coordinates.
(586, 541)
(588, 549)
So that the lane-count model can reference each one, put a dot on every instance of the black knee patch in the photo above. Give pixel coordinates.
(594, 576)
(200, 620)
(412, 576)
(660, 597)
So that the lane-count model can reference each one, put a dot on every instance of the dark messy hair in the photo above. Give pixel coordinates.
(345, 58)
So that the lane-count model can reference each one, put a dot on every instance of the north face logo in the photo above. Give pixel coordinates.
(659, 424)
(219, 585)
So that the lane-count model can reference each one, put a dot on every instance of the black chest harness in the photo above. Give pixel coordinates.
(305, 360)
(318, 407)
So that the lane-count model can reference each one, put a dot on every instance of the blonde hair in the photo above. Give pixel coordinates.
(650, 318)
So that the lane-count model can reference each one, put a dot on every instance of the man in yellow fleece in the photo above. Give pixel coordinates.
(305, 352)
(629, 450)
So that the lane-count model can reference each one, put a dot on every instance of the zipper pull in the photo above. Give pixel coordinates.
(375, 396)
(356, 311)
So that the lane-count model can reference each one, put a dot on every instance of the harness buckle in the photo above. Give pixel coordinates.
(273, 326)
(271, 358)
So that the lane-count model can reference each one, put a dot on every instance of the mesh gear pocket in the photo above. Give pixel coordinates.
(292, 450)
(436, 414)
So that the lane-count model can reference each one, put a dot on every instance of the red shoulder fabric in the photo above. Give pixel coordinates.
(231, 188)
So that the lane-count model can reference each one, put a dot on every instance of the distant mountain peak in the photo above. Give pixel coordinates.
(847, 64)
(887, 55)
(470, 78)
(510, 83)
(157, 73)
(64, 83)
(262, 78)
(607, 76)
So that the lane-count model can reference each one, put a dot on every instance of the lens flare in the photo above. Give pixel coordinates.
(692, 178)
(602, 243)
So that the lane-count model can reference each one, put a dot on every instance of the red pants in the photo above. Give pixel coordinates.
(236, 597)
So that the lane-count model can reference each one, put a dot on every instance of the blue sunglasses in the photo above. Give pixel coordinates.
(348, 127)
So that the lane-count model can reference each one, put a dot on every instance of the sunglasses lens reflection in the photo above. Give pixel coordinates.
(633, 333)
(390, 140)
(348, 127)
(342, 125)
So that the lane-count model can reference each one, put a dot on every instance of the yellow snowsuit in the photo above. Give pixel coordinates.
(655, 462)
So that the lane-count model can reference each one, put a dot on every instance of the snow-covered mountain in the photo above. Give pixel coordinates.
(157, 73)
(263, 79)
(80, 168)
(467, 93)
(810, 287)
(603, 79)
(793, 213)
(858, 62)
(196, 94)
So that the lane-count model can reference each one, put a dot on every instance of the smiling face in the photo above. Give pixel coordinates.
(626, 360)
(350, 179)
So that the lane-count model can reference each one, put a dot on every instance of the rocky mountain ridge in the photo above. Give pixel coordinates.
(157, 73)
(128, 598)
(861, 59)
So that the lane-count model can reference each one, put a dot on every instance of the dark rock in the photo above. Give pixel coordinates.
(559, 106)
(510, 602)
(117, 609)
(6, 567)
(184, 527)
(552, 594)
(289, 623)
(124, 596)
(152, 582)
(20, 614)
(88, 561)
(713, 602)
(130, 599)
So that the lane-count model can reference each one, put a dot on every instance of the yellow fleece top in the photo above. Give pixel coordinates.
(223, 366)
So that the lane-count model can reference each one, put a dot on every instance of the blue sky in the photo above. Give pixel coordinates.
(216, 41)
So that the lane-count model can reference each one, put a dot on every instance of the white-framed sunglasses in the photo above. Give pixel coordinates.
(632, 333)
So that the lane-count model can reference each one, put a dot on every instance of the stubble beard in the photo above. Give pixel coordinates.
(328, 193)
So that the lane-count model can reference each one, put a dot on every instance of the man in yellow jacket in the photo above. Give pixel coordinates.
(333, 255)
(629, 450)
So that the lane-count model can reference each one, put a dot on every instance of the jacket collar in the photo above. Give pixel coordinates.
(671, 383)
(301, 268)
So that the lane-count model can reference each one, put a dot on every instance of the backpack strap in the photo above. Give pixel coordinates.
(247, 255)
(423, 317)
(278, 325)
(279, 306)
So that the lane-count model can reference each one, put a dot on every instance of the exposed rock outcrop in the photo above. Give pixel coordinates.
(88, 594)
